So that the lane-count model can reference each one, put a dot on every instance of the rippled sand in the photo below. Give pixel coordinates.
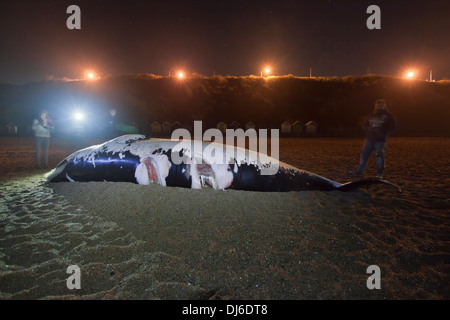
(151, 242)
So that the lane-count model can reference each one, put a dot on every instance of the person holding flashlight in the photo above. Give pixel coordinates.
(42, 127)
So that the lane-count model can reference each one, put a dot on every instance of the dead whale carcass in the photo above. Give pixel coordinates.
(134, 158)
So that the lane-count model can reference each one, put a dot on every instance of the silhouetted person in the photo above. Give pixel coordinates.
(110, 128)
(378, 126)
(42, 127)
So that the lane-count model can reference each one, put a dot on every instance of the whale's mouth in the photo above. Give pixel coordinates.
(153, 169)
(214, 176)
(206, 175)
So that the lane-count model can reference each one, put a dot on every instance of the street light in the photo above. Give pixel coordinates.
(266, 71)
(90, 75)
(180, 75)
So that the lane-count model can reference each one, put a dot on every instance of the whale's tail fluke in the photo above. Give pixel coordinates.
(349, 186)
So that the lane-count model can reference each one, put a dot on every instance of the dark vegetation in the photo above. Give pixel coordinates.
(338, 105)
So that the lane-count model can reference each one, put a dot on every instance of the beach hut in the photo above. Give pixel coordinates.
(222, 126)
(189, 126)
(175, 125)
(12, 128)
(311, 127)
(297, 128)
(166, 128)
(155, 127)
(250, 125)
(286, 127)
(133, 127)
(121, 127)
(234, 125)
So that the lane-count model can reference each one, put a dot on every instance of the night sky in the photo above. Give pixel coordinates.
(223, 37)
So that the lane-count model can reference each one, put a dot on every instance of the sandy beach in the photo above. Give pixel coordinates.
(150, 242)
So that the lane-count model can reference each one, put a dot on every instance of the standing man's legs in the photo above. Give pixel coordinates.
(46, 144)
(38, 150)
(367, 149)
(380, 152)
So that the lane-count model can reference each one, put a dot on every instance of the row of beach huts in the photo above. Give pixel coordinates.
(295, 128)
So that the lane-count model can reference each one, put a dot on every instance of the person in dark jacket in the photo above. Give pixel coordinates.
(378, 126)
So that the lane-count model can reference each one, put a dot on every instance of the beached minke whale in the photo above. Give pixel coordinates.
(137, 159)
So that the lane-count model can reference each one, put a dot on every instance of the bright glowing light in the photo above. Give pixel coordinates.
(180, 75)
(265, 70)
(90, 75)
(410, 74)
(78, 116)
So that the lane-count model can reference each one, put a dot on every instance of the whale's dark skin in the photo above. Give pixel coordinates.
(133, 158)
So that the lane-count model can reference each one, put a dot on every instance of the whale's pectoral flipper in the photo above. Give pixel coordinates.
(349, 186)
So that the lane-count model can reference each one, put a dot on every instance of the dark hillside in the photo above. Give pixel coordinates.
(338, 105)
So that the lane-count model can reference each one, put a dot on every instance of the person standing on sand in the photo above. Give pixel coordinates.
(42, 127)
(378, 126)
